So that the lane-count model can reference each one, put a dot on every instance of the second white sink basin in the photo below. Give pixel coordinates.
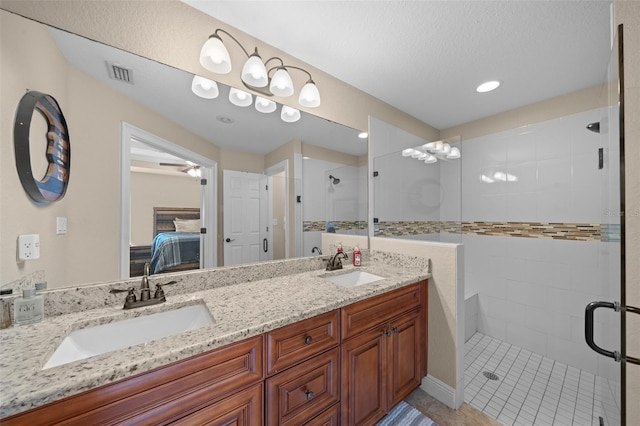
(353, 279)
(100, 339)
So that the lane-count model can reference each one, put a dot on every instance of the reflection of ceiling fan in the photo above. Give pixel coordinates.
(190, 168)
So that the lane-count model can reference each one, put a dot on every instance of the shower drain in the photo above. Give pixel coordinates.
(489, 375)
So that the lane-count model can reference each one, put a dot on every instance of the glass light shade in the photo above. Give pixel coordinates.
(407, 152)
(289, 115)
(446, 148)
(422, 156)
(430, 159)
(240, 97)
(265, 105)
(204, 87)
(214, 56)
(486, 179)
(281, 83)
(438, 147)
(309, 95)
(454, 153)
(254, 72)
(194, 172)
(430, 145)
(416, 153)
(363, 135)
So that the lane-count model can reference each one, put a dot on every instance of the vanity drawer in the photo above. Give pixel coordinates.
(327, 418)
(377, 310)
(294, 343)
(299, 394)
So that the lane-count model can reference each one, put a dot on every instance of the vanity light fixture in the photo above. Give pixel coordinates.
(432, 151)
(205, 88)
(289, 115)
(488, 86)
(214, 56)
(240, 97)
(265, 105)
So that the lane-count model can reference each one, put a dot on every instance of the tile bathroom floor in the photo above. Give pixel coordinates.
(531, 389)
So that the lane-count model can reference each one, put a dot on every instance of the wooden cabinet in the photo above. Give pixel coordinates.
(243, 408)
(383, 363)
(349, 366)
(303, 364)
(297, 342)
(300, 393)
(158, 396)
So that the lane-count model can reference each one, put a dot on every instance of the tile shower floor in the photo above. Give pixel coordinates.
(531, 389)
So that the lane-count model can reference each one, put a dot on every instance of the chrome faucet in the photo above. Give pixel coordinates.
(334, 262)
(131, 301)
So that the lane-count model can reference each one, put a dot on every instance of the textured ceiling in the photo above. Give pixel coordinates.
(426, 57)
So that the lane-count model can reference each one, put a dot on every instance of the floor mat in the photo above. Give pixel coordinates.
(405, 415)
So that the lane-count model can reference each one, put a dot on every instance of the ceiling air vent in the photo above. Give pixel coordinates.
(117, 72)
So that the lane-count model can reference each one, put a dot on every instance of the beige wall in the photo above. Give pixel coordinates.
(628, 14)
(149, 190)
(446, 337)
(92, 202)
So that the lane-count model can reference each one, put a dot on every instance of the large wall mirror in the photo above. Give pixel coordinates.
(138, 129)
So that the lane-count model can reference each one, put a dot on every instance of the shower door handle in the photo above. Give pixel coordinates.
(265, 245)
(588, 328)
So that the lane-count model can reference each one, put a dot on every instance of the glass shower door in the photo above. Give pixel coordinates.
(603, 320)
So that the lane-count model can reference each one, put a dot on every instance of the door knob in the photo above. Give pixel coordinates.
(228, 240)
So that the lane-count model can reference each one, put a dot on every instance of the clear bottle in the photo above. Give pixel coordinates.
(29, 308)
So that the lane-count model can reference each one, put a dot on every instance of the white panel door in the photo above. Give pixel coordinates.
(241, 197)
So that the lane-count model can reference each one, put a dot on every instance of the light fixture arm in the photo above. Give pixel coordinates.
(215, 34)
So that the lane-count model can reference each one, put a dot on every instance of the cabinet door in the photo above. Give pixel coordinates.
(244, 408)
(404, 356)
(364, 386)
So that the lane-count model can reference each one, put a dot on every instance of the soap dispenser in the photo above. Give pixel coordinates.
(29, 308)
(357, 256)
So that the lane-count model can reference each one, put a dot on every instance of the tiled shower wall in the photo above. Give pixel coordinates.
(538, 232)
(533, 291)
(344, 204)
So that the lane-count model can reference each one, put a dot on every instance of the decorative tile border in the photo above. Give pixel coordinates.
(547, 230)
(339, 225)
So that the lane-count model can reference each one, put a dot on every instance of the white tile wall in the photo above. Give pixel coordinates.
(533, 292)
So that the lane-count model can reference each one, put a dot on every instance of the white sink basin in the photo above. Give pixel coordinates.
(100, 339)
(353, 279)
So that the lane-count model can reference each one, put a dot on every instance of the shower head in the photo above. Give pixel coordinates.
(334, 180)
(594, 127)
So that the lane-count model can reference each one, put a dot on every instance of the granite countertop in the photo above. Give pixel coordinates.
(239, 311)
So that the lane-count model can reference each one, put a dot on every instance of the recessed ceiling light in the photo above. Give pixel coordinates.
(488, 86)
(363, 135)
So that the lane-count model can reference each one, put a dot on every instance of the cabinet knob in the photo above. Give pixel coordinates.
(387, 333)
(309, 394)
(308, 340)
(394, 329)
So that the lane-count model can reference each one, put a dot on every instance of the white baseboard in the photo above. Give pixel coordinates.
(442, 392)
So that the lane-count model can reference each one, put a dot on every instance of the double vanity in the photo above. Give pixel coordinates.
(284, 342)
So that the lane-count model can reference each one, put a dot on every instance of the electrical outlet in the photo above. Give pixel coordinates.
(61, 225)
(28, 247)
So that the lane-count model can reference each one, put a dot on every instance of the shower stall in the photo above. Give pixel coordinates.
(537, 211)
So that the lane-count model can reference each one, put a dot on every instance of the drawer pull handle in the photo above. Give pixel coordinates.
(309, 395)
(394, 329)
(308, 340)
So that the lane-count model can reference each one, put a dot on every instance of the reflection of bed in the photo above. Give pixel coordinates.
(174, 251)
